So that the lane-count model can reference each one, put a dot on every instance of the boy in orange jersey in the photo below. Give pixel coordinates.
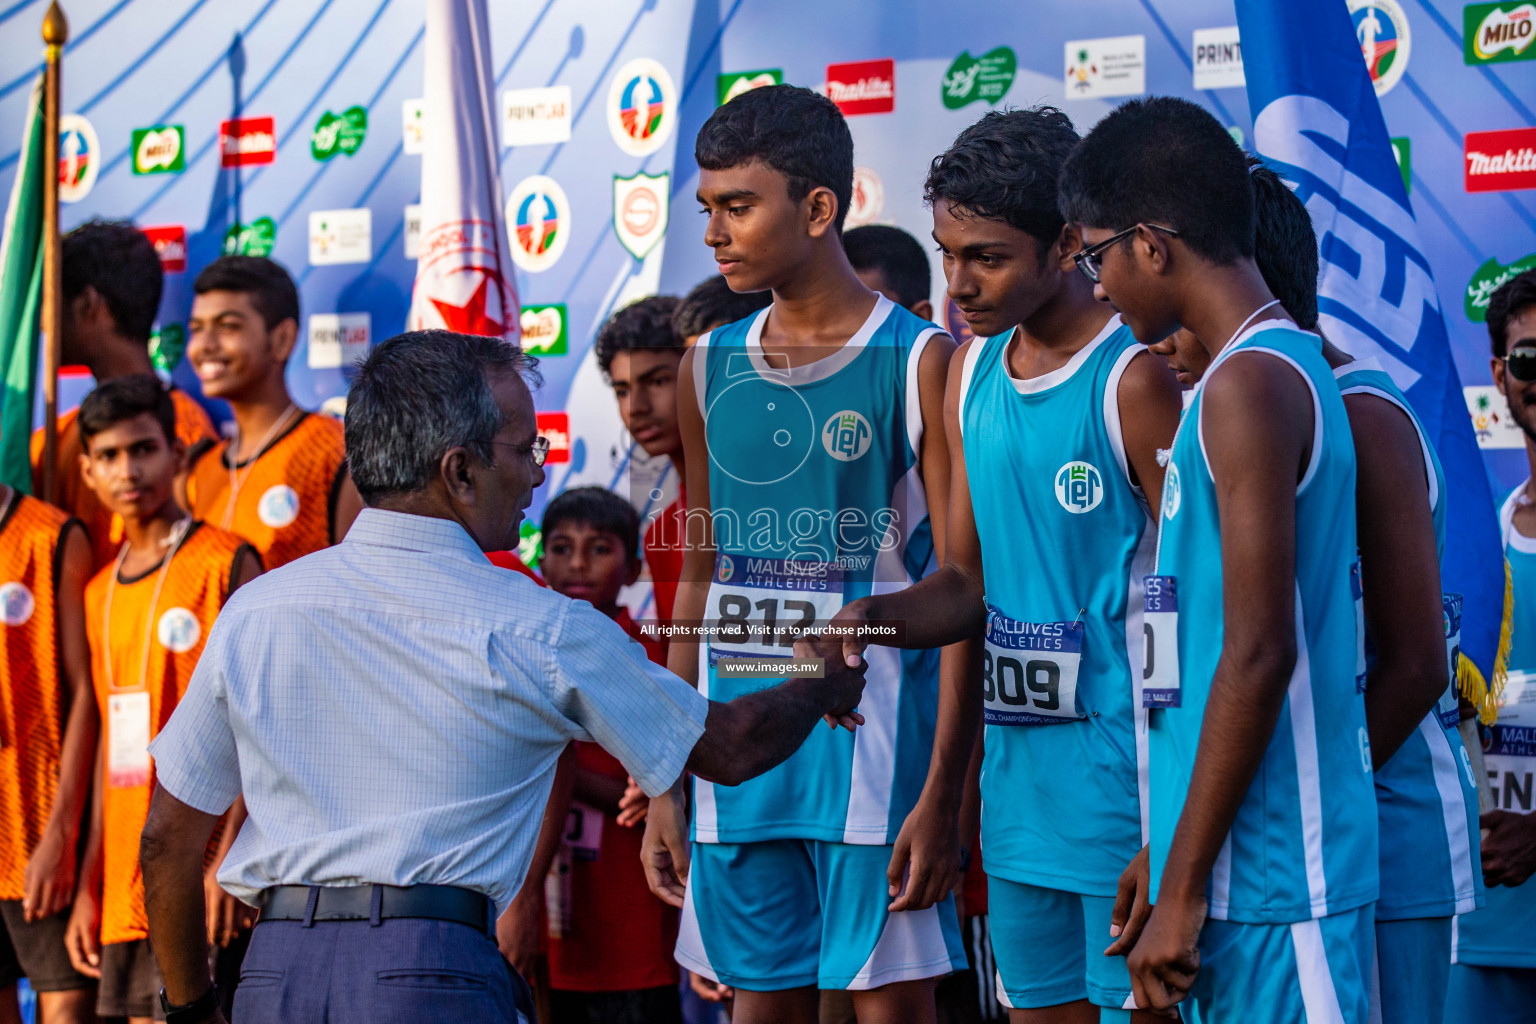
(282, 482)
(147, 617)
(112, 282)
(47, 742)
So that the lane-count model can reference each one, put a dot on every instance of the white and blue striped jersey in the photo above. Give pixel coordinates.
(1067, 539)
(1303, 844)
(1426, 796)
(817, 500)
(1501, 934)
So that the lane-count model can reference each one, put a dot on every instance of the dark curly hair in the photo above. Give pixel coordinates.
(643, 324)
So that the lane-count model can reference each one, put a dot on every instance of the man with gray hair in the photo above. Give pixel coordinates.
(392, 708)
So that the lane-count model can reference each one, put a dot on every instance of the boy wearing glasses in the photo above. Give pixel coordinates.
(1426, 796)
(1055, 416)
(281, 482)
(1263, 820)
(1494, 977)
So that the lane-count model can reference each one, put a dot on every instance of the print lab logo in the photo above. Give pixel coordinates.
(1381, 28)
(863, 87)
(540, 216)
(170, 242)
(244, 141)
(1079, 487)
(642, 107)
(1495, 33)
(846, 435)
(1501, 161)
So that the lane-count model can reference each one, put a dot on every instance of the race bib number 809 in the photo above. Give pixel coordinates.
(1029, 670)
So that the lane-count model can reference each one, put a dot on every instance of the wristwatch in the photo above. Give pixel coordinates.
(195, 1012)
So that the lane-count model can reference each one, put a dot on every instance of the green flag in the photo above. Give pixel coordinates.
(21, 291)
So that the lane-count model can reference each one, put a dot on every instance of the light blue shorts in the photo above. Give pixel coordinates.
(1311, 971)
(1413, 966)
(791, 913)
(1049, 947)
(1491, 995)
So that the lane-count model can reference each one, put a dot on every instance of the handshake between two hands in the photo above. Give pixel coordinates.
(842, 654)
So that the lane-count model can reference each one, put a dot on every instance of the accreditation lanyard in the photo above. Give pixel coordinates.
(237, 475)
(128, 712)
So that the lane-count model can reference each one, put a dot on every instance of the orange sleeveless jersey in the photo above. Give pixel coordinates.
(285, 504)
(106, 533)
(31, 704)
(195, 588)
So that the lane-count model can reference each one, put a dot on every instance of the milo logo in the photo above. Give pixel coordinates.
(1490, 277)
(544, 330)
(979, 78)
(158, 150)
(338, 133)
(1495, 33)
(254, 239)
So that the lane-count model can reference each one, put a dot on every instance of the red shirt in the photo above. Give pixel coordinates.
(509, 560)
(621, 936)
(664, 542)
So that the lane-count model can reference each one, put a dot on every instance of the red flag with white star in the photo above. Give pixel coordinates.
(463, 274)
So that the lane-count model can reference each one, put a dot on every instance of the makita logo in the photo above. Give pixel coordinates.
(1501, 161)
(243, 141)
(170, 242)
(863, 87)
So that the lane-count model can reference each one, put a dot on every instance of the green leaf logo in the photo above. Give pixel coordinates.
(1488, 279)
(254, 239)
(338, 133)
(979, 78)
(166, 347)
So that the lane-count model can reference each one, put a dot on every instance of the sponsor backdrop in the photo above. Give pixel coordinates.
(294, 128)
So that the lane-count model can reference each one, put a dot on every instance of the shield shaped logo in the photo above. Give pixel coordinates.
(640, 211)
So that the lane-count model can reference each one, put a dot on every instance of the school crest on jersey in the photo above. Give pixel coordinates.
(847, 435)
(1171, 497)
(1079, 487)
(16, 604)
(278, 507)
(179, 630)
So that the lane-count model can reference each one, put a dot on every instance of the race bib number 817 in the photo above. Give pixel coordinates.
(760, 606)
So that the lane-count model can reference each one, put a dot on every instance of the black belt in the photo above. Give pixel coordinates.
(375, 903)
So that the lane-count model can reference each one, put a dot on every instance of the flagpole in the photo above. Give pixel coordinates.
(55, 35)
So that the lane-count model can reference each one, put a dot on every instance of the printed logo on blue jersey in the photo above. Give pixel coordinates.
(1079, 487)
(846, 435)
(1365, 751)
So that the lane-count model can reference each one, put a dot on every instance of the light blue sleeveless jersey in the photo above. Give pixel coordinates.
(1426, 796)
(1303, 844)
(1503, 933)
(817, 500)
(1066, 540)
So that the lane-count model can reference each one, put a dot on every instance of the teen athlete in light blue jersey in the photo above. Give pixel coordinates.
(1263, 825)
(1425, 793)
(1494, 978)
(817, 501)
(1055, 417)
(815, 448)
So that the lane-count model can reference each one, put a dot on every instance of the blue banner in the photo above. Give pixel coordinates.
(1316, 117)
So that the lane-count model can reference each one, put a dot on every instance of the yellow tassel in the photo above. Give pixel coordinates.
(1470, 681)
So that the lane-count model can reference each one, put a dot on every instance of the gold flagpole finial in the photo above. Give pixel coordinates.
(55, 25)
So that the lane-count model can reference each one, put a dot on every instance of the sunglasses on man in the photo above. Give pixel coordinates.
(1521, 364)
